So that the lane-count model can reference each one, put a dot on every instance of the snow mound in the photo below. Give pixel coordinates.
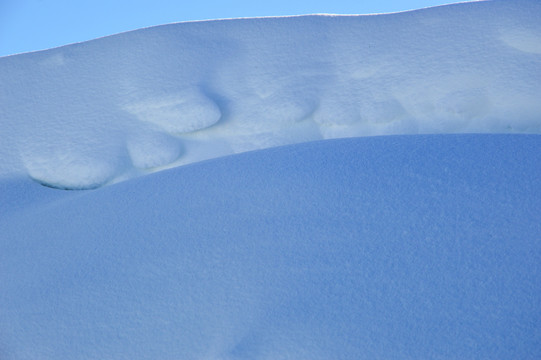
(179, 113)
(152, 149)
(397, 247)
(205, 89)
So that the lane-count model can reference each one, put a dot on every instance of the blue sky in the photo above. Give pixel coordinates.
(27, 25)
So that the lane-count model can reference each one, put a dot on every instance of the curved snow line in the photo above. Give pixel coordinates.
(87, 114)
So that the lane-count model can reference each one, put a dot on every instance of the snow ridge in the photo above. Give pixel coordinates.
(89, 114)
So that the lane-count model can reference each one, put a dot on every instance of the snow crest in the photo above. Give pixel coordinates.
(88, 114)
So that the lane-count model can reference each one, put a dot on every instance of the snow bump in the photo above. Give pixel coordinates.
(184, 112)
(71, 171)
(153, 149)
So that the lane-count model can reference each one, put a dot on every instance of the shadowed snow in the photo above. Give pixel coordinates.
(398, 247)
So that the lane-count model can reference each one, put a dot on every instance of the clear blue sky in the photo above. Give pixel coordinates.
(27, 25)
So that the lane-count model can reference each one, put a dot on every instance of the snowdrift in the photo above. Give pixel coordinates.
(400, 247)
(102, 111)
(422, 244)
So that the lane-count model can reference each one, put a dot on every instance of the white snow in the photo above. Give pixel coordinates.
(71, 116)
(424, 244)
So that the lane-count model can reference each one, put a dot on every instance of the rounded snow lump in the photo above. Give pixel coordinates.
(183, 112)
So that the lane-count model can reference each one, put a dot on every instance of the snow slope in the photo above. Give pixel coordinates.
(400, 247)
(102, 111)
(410, 246)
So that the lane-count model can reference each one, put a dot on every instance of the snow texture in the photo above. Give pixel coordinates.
(400, 247)
(103, 111)
(423, 244)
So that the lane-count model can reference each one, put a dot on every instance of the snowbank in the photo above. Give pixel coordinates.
(102, 111)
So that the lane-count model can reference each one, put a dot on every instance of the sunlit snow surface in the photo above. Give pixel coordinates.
(106, 110)
(409, 246)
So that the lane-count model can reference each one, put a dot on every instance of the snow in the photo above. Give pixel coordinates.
(420, 242)
(376, 247)
(72, 117)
